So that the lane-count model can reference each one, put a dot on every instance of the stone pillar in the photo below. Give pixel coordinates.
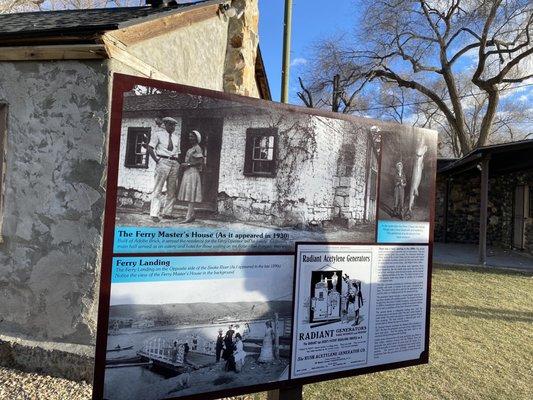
(241, 50)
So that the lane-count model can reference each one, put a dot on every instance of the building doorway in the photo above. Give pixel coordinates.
(211, 131)
(520, 215)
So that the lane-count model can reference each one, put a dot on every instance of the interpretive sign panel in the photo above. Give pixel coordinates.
(358, 306)
(250, 245)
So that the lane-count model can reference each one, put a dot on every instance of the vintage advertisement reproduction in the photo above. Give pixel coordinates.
(357, 306)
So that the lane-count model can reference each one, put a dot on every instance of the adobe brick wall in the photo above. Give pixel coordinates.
(320, 175)
(311, 184)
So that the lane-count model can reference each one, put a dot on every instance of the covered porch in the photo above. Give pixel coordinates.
(460, 254)
(484, 199)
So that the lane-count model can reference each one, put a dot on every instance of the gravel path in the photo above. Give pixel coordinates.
(16, 385)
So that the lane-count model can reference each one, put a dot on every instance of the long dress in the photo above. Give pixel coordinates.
(191, 183)
(239, 354)
(267, 353)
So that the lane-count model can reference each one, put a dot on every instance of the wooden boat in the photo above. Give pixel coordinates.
(120, 348)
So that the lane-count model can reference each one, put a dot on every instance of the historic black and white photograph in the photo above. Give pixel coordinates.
(228, 329)
(197, 161)
(407, 172)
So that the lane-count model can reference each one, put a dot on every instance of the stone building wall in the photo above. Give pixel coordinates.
(313, 183)
(192, 55)
(57, 115)
(217, 53)
(320, 174)
(241, 51)
(463, 209)
(54, 200)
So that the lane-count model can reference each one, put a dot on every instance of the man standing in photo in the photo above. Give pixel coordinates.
(164, 148)
(220, 345)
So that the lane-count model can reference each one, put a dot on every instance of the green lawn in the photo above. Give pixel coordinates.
(481, 344)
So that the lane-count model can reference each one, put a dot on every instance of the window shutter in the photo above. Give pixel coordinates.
(135, 135)
(248, 150)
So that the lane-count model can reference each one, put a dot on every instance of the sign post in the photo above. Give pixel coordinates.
(291, 393)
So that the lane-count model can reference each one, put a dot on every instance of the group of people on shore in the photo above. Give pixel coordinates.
(165, 149)
(230, 348)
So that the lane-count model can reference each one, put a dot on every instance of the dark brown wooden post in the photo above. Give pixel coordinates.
(290, 393)
(484, 200)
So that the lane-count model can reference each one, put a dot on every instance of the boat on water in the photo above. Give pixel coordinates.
(118, 348)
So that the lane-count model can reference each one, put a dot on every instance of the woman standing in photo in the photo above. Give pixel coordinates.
(239, 354)
(267, 353)
(191, 183)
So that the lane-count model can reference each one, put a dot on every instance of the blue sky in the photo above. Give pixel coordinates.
(311, 21)
(314, 20)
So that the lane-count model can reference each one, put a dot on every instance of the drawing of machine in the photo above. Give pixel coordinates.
(326, 300)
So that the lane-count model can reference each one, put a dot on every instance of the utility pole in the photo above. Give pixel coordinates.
(295, 392)
(285, 68)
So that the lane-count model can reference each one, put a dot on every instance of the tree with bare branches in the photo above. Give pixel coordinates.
(422, 44)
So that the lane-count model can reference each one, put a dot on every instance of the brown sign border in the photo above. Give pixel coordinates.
(124, 83)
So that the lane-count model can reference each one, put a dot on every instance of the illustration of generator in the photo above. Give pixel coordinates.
(325, 300)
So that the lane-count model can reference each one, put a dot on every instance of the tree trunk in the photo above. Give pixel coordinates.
(459, 124)
(488, 118)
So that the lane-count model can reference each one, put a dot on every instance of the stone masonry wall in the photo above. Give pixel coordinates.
(320, 172)
(241, 51)
(463, 209)
(311, 185)
(54, 201)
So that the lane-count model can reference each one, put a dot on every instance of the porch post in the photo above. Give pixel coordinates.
(446, 201)
(484, 199)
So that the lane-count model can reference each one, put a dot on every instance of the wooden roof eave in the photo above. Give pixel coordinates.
(79, 45)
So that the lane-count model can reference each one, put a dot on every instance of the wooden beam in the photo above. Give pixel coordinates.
(53, 52)
(118, 51)
(156, 27)
(52, 40)
(483, 210)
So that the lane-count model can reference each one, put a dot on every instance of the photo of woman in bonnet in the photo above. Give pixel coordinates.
(191, 183)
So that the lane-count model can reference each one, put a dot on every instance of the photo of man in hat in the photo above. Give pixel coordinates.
(164, 148)
(219, 345)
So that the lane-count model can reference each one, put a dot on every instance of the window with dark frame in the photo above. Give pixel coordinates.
(261, 152)
(136, 147)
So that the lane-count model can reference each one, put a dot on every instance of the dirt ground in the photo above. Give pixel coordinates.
(17, 385)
